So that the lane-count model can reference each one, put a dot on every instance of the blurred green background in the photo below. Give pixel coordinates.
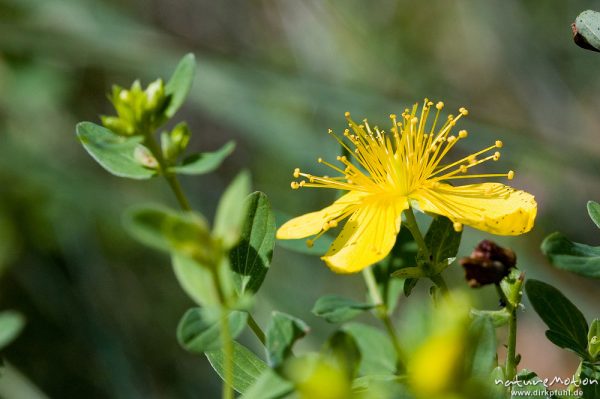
(273, 75)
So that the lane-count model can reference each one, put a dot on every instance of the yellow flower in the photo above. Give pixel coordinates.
(392, 171)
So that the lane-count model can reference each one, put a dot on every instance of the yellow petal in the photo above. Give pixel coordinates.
(491, 207)
(367, 237)
(312, 223)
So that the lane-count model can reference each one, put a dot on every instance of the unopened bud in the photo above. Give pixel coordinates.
(489, 263)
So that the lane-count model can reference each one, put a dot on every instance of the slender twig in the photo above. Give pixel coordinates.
(511, 352)
(185, 205)
(383, 314)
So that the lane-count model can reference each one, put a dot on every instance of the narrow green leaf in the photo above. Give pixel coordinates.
(114, 153)
(567, 326)
(336, 309)
(180, 83)
(499, 317)
(590, 373)
(199, 329)
(409, 272)
(587, 26)
(594, 211)
(269, 386)
(442, 240)
(251, 257)
(247, 367)
(205, 162)
(231, 211)
(483, 358)
(283, 331)
(594, 339)
(378, 355)
(574, 257)
(11, 324)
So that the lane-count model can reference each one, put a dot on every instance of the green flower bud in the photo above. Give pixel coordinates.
(175, 142)
(155, 96)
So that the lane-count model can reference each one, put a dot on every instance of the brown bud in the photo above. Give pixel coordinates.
(488, 264)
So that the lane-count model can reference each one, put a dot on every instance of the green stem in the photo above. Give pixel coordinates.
(511, 353)
(164, 170)
(413, 227)
(256, 330)
(383, 314)
(228, 352)
(511, 359)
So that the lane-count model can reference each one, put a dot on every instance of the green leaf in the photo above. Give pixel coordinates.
(114, 153)
(409, 272)
(283, 331)
(269, 386)
(201, 163)
(378, 354)
(443, 241)
(196, 280)
(574, 257)
(594, 339)
(186, 233)
(342, 349)
(11, 324)
(567, 326)
(336, 309)
(251, 257)
(247, 367)
(591, 373)
(587, 25)
(530, 382)
(409, 284)
(483, 358)
(180, 83)
(231, 211)
(594, 211)
(199, 329)
(499, 318)
(496, 389)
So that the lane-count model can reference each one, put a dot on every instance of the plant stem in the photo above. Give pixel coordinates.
(185, 205)
(256, 330)
(511, 360)
(382, 314)
(413, 227)
(164, 170)
(228, 352)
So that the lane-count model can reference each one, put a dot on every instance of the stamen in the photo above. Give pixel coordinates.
(457, 227)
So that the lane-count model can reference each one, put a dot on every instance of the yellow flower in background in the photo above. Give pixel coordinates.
(402, 168)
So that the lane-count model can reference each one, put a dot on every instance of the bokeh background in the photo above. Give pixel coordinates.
(273, 75)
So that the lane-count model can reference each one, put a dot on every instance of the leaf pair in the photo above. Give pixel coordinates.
(126, 156)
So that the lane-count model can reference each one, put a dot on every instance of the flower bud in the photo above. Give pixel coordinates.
(175, 142)
(489, 263)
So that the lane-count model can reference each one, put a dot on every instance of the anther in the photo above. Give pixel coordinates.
(499, 143)
(325, 226)
(463, 134)
(310, 243)
(333, 224)
(451, 139)
(392, 116)
(457, 226)
(296, 173)
(295, 185)
(320, 160)
(414, 120)
(347, 114)
(463, 111)
(496, 156)
(439, 105)
(510, 175)
(463, 169)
